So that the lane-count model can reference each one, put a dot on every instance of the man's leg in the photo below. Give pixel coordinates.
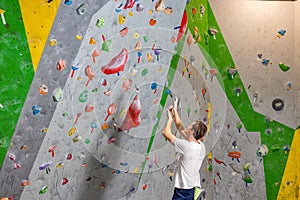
(183, 194)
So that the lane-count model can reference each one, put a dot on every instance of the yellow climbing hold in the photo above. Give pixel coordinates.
(136, 170)
(72, 131)
(78, 37)
(52, 42)
(208, 116)
(121, 19)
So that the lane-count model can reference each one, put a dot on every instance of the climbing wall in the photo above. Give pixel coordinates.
(91, 124)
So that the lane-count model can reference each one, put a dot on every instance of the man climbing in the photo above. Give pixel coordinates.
(187, 176)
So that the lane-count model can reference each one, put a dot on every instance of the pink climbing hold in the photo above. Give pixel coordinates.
(89, 74)
(132, 118)
(117, 64)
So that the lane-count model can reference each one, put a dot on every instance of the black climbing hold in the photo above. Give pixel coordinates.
(278, 104)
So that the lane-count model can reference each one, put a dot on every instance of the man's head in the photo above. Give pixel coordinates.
(199, 129)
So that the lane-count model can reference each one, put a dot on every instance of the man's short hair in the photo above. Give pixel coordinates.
(200, 129)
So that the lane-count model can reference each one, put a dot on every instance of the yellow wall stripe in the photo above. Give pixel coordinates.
(289, 188)
(38, 17)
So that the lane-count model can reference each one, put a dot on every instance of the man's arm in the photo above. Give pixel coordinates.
(167, 129)
(179, 125)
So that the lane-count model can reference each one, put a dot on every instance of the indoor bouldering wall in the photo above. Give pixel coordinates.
(91, 124)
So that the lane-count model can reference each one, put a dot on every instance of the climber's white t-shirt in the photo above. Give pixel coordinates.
(192, 153)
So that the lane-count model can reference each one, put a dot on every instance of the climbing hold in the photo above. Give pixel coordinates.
(43, 190)
(36, 109)
(78, 37)
(65, 181)
(138, 46)
(289, 86)
(275, 147)
(83, 97)
(93, 126)
(132, 118)
(247, 180)
(154, 87)
(43, 89)
(59, 165)
(232, 72)
(121, 19)
(157, 52)
(278, 104)
(202, 9)
(117, 64)
(89, 74)
(213, 32)
(144, 72)
(219, 161)
(112, 108)
(239, 126)
(25, 183)
(52, 42)
(235, 155)
(283, 67)
(111, 140)
(52, 149)
(57, 94)
(146, 38)
(152, 22)
(238, 91)
(100, 22)
(72, 131)
(262, 150)
(246, 167)
(123, 32)
(139, 7)
(266, 62)
(104, 126)
(106, 45)
(281, 33)
(92, 41)
(286, 149)
(127, 85)
(74, 68)
(144, 187)
(168, 10)
(76, 138)
(255, 95)
(81, 9)
(89, 107)
(60, 65)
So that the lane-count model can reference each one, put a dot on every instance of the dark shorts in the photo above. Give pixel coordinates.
(183, 194)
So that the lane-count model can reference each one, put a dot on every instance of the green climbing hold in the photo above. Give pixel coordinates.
(146, 38)
(284, 67)
(106, 45)
(248, 179)
(87, 141)
(100, 22)
(57, 95)
(43, 190)
(83, 97)
(145, 72)
(275, 147)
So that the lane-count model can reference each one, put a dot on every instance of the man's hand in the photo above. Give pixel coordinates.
(167, 129)
(170, 112)
(175, 103)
